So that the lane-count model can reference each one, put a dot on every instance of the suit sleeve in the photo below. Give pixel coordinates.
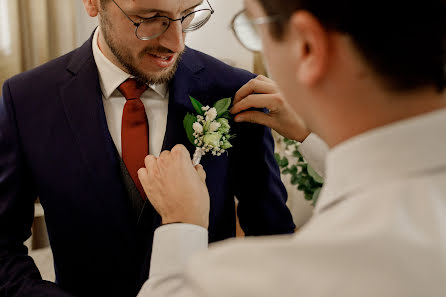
(19, 275)
(257, 184)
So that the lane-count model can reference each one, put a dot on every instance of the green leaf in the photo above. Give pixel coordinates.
(222, 106)
(227, 115)
(297, 154)
(188, 123)
(314, 175)
(294, 180)
(293, 169)
(286, 171)
(316, 195)
(197, 105)
(277, 157)
(308, 197)
(284, 162)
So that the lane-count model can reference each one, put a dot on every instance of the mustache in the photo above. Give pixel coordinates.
(155, 50)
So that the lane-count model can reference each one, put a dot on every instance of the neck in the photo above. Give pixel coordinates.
(106, 51)
(354, 115)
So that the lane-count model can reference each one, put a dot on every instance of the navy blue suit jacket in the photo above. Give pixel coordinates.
(55, 145)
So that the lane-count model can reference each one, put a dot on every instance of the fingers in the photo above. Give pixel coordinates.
(256, 101)
(201, 172)
(256, 117)
(143, 177)
(150, 161)
(144, 174)
(181, 150)
(259, 85)
(264, 78)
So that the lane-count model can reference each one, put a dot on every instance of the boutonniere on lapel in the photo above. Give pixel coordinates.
(209, 129)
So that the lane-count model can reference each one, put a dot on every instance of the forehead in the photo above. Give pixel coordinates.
(172, 6)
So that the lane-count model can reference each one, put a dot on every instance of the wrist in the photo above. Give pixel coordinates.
(200, 223)
(300, 137)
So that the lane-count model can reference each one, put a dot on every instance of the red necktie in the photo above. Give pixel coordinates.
(135, 130)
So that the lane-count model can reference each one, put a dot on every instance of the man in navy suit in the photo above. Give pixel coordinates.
(67, 137)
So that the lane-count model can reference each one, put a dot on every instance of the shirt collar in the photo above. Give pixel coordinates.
(111, 76)
(398, 150)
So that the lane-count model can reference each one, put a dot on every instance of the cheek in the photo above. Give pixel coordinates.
(282, 70)
(277, 59)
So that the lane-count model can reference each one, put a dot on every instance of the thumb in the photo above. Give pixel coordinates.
(201, 172)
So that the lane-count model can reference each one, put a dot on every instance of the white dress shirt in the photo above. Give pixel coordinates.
(379, 229)
(155, 100)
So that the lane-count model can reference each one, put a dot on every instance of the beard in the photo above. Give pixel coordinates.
(124, 57)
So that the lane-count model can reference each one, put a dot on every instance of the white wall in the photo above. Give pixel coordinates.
(85, 23)
(215, 38)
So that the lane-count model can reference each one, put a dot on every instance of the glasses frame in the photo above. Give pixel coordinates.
(256, 21)
(138, 24)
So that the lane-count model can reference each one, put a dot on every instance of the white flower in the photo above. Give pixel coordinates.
(224, 125)
(211, 114)
(214, 126)
(205, 108)
(198, 128)
(212, 139)
(226, 145)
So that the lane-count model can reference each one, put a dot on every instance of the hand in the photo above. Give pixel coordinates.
(175, 188)
(262, 92)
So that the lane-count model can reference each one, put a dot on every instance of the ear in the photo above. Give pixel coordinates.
(92, 7)
(312, 42)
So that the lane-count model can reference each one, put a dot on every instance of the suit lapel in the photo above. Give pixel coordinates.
(185, 82)
(82, 101)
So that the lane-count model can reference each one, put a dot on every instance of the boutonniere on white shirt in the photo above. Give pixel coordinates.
(209, 129)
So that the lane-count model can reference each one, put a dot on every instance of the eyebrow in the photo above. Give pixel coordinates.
(151, 10)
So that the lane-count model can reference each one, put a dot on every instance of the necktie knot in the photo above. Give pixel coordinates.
(132, 89)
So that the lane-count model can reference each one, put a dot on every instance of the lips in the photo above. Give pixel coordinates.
(162, 60)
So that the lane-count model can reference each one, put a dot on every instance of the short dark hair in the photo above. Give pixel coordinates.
(404, 41)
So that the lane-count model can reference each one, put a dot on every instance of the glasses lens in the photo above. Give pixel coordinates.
(196, 20)
(152, 28)
(247, 33)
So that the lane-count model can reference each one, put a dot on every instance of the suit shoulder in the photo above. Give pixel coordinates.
(220, 71)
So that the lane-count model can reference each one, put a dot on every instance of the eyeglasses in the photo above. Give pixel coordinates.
(155, 26)
(246, 32)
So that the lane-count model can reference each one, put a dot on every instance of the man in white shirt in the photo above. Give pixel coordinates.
(368, 78)
(75, 131)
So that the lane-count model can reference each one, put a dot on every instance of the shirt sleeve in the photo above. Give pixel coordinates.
(314, 150)
(173, 247)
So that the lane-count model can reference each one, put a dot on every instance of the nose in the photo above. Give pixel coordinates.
(173, 38)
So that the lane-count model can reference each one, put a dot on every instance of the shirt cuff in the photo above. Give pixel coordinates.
(314, 150)
(174, 245)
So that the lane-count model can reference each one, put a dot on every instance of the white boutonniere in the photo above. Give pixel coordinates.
(209, 129)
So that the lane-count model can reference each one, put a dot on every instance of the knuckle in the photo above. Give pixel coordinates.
(148, 159)
(277, 99)
(178, 149)
(164, 154)
(180, 152)
(253, 83)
